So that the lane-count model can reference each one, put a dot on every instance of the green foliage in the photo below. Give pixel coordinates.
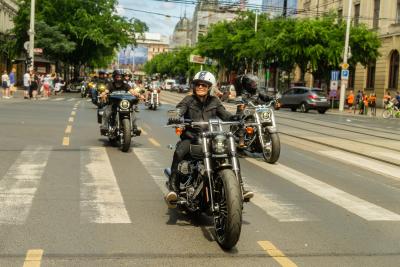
(315, 45)
(90, 31)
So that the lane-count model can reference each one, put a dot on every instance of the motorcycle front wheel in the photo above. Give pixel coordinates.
(270, 156)
(126, 135)
(228, 216)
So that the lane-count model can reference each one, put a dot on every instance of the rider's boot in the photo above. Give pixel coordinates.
(172, 195)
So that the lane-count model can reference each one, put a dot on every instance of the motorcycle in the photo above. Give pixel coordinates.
(120, 130)
(96, 90)
(259, 129)
(153, 100)
(210, 176)
(84, 90)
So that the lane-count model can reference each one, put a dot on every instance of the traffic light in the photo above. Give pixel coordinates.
(28, 61)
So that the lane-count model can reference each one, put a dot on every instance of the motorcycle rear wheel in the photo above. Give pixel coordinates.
(228, 218)
(126, 135)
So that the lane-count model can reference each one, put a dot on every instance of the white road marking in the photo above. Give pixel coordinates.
(353, 204)
(58, 99)
(279, 208)
(20, 183)
(88, 100)
(101, 199)
(150, 158)
(71, 99)
(365, 163)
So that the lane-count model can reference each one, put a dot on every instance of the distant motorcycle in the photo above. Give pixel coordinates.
(153, 99)
(209, 178)
(258, 130)
(120, 131)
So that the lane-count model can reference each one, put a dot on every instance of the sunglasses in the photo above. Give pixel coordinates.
(202, 85)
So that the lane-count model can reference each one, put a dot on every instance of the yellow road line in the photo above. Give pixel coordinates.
(276, 254)
(33, 258)
(71, 119)
(73, 113)
(154, 142)
(146, 125)
(68, 129)
(65, 141)
(144, 132)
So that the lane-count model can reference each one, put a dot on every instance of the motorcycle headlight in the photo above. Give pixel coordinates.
(219, 144)
(124, 104)
(101, 88)
(265, 115)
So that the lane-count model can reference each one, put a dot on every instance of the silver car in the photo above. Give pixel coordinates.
(305, 98)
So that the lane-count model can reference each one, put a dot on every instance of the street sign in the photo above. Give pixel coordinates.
(335, 75)
(334, 85)
(38, 50)
(345, 74)
(197, 59)
(345, 66)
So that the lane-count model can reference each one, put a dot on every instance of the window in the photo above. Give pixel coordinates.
(356, 14)
(340, 14)
(352, 76)
(377, 5)
(371, 75)
(398, 12)
(394, 70)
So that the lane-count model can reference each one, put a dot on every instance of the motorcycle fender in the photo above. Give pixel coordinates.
(272, 129)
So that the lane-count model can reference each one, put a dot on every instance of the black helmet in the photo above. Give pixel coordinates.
(101, 72)
(249, 83)
(117, 72)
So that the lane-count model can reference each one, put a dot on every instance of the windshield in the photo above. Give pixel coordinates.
(319, 92)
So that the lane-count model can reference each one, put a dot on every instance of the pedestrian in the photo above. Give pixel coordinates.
(372, 103)
(59, 83)
(27, 83)
(386, 99)
(350, 100)
(364, 104)
(46, 86)
(398, 99)
(12, 82)
(358, 101)
(34, 85)
(5, 84)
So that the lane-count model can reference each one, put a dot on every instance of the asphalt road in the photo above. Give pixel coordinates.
(67, 198)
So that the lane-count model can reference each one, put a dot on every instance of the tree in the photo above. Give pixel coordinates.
(92, 30)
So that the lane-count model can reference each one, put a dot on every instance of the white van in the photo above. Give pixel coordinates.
(169, 84)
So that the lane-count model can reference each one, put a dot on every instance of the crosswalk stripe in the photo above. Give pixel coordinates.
(150, 158)
(353, 204)
(365, 163)
(279, 208)
(20, 183)
(101, 199)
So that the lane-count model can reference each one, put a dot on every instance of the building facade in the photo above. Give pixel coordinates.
(8, 10)
(277, 7)
(181, 34)
(208, 12)
(382, 16)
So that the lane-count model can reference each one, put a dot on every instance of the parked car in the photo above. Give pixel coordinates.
(169, 84)
(74, 85)
(182, 88)
(305, 98)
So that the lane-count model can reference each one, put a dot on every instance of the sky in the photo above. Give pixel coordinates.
(157, 23)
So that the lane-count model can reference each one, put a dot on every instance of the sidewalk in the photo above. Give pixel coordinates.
(347, 112)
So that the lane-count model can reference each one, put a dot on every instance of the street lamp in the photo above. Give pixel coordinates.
(345, 56)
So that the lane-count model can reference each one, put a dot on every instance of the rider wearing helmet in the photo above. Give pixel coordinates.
(117, 84)
(200, 106)
(247, 85)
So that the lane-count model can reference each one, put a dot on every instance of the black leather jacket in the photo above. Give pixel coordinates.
(118, 87)
(192, 108)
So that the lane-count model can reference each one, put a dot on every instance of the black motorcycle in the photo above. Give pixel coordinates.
(210, 176)
(120, 130)
(259, 129)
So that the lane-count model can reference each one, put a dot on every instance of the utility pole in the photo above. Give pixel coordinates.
(284, 14)
(255, 24)
(32, 34)
(343, 82)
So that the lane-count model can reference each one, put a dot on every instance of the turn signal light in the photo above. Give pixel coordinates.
(178, 131)
(249, 130)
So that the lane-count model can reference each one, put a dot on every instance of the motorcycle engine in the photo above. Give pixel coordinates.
(184, 167)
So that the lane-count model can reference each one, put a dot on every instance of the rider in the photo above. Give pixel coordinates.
(200, 106)
(117, 84)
